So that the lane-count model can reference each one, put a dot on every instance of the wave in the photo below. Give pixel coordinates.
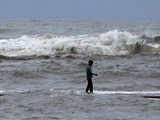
(110, 43)
(24, 57)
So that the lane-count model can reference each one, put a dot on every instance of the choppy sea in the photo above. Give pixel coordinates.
(42, 70)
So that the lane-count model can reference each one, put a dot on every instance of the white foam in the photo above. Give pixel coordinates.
(81, 92)
(13, 91)
(154, 45)
(99, 92)
(109, 43)
(128, 92)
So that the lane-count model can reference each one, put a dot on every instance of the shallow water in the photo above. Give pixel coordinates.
(47, 89)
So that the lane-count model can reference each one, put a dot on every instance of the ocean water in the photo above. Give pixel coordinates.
(43, 70)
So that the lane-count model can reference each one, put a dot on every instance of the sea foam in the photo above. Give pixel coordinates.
(110, 43)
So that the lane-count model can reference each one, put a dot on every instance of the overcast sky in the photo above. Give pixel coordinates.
(80, 9)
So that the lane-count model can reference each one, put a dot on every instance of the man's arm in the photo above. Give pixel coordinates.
(94, 74)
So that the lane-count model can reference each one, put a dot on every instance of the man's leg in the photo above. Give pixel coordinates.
(91, 86)
(87, 87)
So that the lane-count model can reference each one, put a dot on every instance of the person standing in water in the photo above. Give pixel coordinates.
(89, 76)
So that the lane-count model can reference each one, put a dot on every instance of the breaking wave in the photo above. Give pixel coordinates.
(110, 43)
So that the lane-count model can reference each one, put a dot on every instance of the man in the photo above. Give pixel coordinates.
(89, 76)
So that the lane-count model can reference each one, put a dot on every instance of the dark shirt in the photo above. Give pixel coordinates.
(89, 72)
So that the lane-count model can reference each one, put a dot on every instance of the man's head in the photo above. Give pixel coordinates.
(90, 62)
